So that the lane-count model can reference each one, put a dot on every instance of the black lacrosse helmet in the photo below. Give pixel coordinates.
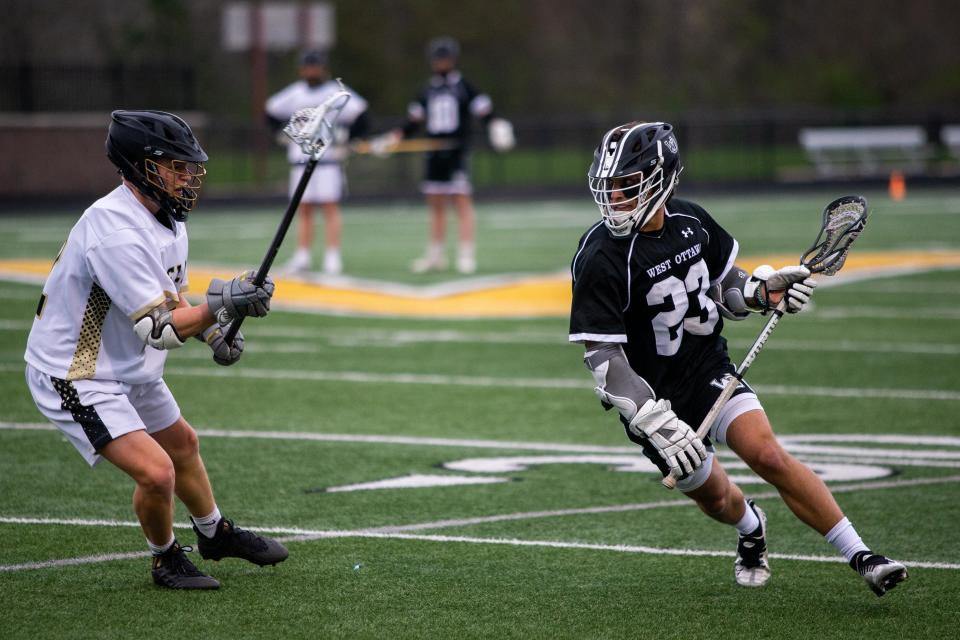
(635, 170)
(443, 47)
(146, 145)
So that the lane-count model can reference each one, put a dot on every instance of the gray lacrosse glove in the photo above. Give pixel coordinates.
(794, 281)
(673, 438)
(239, 298)
(223, 353)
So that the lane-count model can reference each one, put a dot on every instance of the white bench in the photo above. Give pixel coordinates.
(950, 137)
(866, 151)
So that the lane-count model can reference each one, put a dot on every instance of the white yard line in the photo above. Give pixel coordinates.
(915, 314)
(530, 515)
(620, 548)
(71, 562)
(535, 383)
(319, 341)
(398, 532)
(798, 443)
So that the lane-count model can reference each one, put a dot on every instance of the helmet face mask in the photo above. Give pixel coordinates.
(158, 153)
(634, 172)
(179, 179)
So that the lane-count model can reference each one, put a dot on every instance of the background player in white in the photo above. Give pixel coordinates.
(327, 183)
(648, 281)
(445, 108)
(111, 308)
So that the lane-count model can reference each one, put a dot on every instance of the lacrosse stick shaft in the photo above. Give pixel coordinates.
(277, 239)
(414, 145)
(670, 481)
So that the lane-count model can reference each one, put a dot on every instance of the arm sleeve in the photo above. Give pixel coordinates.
(617, 385)
(599, 296)
(127, 267)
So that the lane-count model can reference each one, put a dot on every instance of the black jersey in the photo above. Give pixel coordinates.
(446, 106)
(649, 291)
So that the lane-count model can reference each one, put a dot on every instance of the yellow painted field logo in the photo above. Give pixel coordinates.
(507, 296)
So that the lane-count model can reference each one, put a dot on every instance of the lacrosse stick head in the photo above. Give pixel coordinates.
(843, 221)
(313, 129)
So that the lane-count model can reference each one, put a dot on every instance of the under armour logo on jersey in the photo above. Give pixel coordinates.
(687, 232)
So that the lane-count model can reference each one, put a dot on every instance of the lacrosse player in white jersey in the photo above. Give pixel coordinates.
(111, 308)
(651, 281)
(327, 183)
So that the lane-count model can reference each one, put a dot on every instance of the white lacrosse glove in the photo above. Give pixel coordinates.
(383, 145)
(500, 132)
(673, 438)
(794, 281)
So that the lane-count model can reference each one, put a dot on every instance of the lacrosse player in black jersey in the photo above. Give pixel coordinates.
(445, 109)
(651, 281)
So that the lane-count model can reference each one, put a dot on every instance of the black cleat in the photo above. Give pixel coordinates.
(233, 542)
(172, 569)
(751, 568)
(880, 573)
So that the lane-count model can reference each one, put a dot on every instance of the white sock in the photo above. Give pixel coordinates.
(846, 540)
(332, 253)
(749, 522)
(436, 250)
(467, 250)
(157, 549)
(208, 523)
(302, 253)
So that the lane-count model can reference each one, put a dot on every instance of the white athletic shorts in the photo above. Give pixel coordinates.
(735, 407)
(459, 184)
(326, 183)
(92, 413)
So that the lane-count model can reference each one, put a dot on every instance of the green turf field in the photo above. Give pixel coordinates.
(552, 543)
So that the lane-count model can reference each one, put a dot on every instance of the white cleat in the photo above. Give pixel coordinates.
(332, 263)
(751, 568)
(429, 263)
(880, 573)
(466, 264)
(298, 263)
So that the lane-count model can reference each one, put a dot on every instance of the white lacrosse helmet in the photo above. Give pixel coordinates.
(634, 172)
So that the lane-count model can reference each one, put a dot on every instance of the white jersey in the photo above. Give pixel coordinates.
(117, 264)
(301, 95)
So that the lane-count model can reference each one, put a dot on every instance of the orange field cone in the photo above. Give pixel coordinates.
(898, 186)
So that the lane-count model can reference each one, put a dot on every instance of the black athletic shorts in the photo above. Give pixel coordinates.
(445, 165)
(692, 404)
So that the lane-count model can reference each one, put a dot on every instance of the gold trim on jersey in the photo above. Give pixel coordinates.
(84, 363)
(169, 299)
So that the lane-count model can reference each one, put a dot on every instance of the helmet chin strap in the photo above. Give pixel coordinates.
(653, 207)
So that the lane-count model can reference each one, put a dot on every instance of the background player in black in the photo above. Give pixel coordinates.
(445, 108)
(650, 282)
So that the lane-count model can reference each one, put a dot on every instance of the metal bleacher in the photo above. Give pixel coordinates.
(840, 152)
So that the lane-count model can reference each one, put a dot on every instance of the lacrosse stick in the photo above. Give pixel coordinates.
(413, 145)
(843, 221)
(313, 130)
